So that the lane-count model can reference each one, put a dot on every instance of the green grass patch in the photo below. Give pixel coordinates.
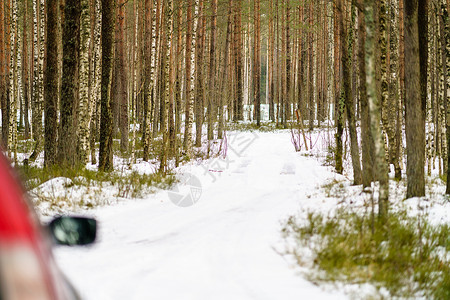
(406, 255)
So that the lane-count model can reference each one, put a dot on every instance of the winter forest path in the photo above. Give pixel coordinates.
(220, 248)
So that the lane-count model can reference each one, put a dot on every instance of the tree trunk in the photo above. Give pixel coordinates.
(415, 123)
(51, 85)
(38, 78)
(4, 140)
(239, 100)
(339, 104)
(84, 109)
(374, 109)
(122, 76)
(211, 109)
(106, 122)
(167, 83)
(310, 75)
(70, 84)
(257, 63)
(7, 94)
(348, 97)
(366, 135)
(199, 89)
(25, 69)
(287, 103)
(224, 85)
(190, 74)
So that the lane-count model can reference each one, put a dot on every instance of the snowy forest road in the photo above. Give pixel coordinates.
(220, 248)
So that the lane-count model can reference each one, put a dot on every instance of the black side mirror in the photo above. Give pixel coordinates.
(72, 231)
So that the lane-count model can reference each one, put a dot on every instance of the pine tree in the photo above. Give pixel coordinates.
(106, 122)
(51, 85)
(415, 123)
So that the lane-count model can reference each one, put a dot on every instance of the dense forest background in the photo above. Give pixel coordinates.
(77, 72)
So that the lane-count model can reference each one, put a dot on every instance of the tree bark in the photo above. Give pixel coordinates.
(374, 109)
(348, 97)
(51, 85)
(257, 63)
(212, 108)
(415, 123)
(106, 122)
(84, 94)
(366, 135)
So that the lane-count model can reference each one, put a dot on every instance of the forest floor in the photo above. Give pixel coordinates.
(217, 233)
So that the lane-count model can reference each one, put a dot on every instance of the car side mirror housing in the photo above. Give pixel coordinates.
(73, 231)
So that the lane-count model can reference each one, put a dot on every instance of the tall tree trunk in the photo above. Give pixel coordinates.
(212, 111)
(287, 103)
(224, 85)
(168, 89)
(4, 140)
(366, 135)
(348, 97)
(70, 84)
(38, 77)
(270, 70)
(84, 109)
(339, 104)
(199, 89)
(25, 69)
(122, 76)
(257, 63)
(446, 68)
(415, 123)
(190, 84)
(312, 109)
(51, 84)
(97, 69)
(239, 99)
(374, 109)
(13, 83)
(106, 122)
(7, 102)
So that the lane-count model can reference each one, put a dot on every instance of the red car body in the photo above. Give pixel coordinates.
(27, 268)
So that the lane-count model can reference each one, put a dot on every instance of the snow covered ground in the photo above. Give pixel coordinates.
(224, 246)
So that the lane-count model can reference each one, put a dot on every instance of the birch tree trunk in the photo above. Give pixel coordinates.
(4, 140)
(25, 69)
(38, 76)
(83, 109)
(7, 79)
(366, 135)
(13, 83)
(97, 70)
(374, 109)
(149, 43)
(167, 86)
(190, 84)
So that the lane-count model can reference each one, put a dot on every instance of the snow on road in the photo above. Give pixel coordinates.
(222, 247)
